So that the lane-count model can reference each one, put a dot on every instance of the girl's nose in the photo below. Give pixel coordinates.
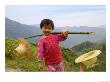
(47, 30)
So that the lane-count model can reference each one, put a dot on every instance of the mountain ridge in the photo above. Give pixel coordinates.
(16, 30)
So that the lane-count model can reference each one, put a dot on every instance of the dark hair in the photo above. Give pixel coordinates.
(47, 22)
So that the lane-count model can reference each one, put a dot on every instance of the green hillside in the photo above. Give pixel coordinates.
(30, 65)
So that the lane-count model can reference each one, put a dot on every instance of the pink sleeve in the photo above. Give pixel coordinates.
(61, 37)
(40, 50)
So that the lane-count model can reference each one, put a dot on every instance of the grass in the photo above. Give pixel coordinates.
(26, 64)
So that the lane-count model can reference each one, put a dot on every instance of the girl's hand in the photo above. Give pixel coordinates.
(39, 66)
(64, 32)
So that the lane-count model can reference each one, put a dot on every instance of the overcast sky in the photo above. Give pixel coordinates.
(65, 15)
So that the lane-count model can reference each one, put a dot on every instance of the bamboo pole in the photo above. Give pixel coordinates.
(81, 67)
(60, 33)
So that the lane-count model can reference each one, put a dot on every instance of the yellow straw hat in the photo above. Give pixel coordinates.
(88, 58)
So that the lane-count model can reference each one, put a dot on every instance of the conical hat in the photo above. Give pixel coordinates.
(89, 57)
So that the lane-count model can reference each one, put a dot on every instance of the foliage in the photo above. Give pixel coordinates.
(69, 55)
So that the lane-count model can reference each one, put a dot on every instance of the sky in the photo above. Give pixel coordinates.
(62, 15)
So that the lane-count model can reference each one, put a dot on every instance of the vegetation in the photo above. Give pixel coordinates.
(30, 65)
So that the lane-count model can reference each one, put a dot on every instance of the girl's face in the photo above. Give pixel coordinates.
(47, 30)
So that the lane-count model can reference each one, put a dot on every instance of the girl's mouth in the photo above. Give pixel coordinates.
(47, 33)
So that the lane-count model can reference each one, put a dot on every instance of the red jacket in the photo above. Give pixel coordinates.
(51, 50)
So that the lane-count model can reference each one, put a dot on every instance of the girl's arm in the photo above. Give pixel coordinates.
(40, 51)
(40, 54)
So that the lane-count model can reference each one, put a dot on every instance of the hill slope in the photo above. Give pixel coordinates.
(25, 64)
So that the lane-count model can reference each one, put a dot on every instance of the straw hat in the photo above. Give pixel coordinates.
(88, 58)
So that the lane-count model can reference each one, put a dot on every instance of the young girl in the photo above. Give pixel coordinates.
(48, 47)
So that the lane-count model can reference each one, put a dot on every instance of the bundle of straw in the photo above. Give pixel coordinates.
(24, 48)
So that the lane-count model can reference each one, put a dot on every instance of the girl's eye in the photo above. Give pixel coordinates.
(49, 28)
